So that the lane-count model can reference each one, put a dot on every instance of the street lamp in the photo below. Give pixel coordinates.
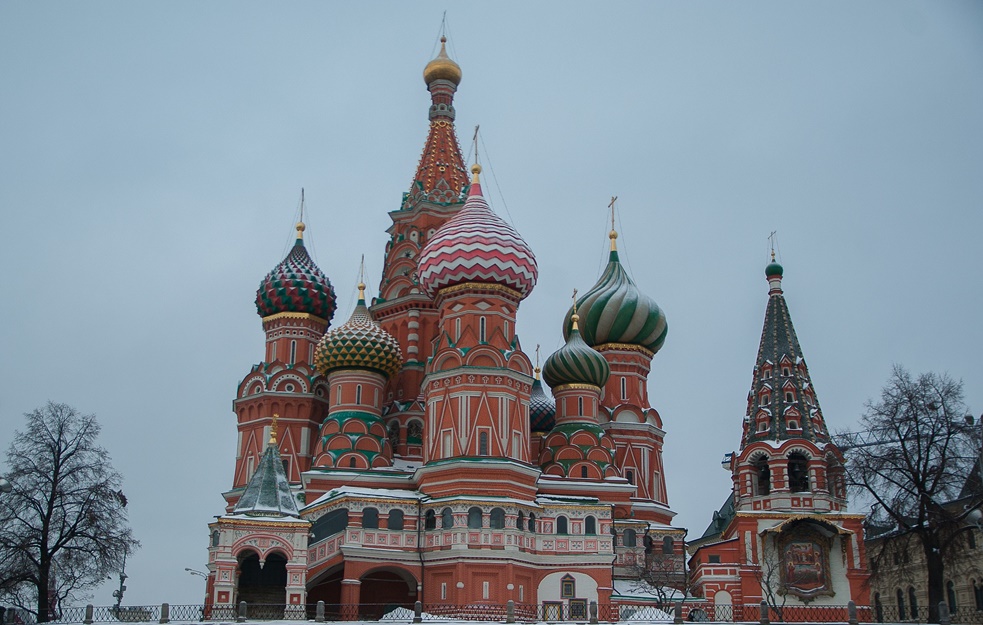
(5, 486)
(198, 573)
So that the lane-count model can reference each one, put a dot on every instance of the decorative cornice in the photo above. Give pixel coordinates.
(294, 315)
(624, 347)
(575, 387)
(481, 287)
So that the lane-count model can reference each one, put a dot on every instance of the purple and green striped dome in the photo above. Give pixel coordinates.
(616, 311)
(542, 408)
(296, 285)
(576, 363)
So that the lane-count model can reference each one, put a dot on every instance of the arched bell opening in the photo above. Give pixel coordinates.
(263, 583)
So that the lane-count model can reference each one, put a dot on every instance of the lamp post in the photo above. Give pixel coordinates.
(198, 573)
(5, 486)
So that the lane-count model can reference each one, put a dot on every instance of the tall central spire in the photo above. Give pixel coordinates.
(441, 176)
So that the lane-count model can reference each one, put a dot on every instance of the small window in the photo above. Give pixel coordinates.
(310, 353)
(950, 595)
(483, 444)
(481, 329)
(762, 426)
(789, 396)
(667, 545)
(443, 590)
(286, 466)
(293, 352)
(568, 587)
(520, 520)
(561, 525)
(629, 538)
(430, 520)
(912, 602)
(971, 539)
(764, 399)
(624, 388)
(370, 518)
(580, 406)
(583, 471)
(273, 352)
(216, 536)
(337, 396)
(590, 526)
(713, 559)
(902, 615)
(358, 394)
(793, 425)
(446, 518)
(630, 476)
(457, 329)
(532, 522)
(352, 462)
(395, 520)
(786, 371)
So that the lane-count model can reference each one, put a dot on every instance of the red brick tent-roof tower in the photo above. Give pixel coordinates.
(785, 529)
(425, 460)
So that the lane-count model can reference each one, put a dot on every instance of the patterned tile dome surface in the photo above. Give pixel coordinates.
(576, 363)
(615, 311)
(296, 285)
(476, 245)
(542, 409)
(360, 343)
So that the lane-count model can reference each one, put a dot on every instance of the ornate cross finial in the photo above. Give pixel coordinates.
(771, 240)
(537, 355)
(361, 279)
(613, 235)
(575, 317)
(273, 429)
(477, 126)
(300, 224)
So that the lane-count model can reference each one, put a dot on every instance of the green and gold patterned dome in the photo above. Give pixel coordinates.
(616, 311)
(576, 362)
(359, 344)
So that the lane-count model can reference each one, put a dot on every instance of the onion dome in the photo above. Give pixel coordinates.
(773, 269)
(296, 285)
(359, 344)
(542, 408)
(476, 245)
(616, 311)
(442, 67)
(576, 362)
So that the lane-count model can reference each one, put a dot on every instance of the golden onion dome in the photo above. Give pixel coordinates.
(442, 67)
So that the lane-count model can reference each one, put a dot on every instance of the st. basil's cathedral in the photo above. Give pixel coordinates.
(413, 453)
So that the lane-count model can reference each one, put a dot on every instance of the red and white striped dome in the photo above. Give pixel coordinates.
(476, 245)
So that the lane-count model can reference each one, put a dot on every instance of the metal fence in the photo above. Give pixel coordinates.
(556, 612)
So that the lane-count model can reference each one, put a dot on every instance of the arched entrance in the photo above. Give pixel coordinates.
(326, 587)
(264, 585)
(385, 589)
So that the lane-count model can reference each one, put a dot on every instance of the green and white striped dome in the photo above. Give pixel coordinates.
(616, 311)
(576, 363)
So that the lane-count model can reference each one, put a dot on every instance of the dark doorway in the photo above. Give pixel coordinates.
(263, 586)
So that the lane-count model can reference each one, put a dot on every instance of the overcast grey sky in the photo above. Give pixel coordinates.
(152, 155)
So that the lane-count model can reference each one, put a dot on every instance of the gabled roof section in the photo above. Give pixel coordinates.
(268, 491)
(787, 384)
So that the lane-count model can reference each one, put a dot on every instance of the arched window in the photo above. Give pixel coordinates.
(496, 520)
(216, 536)
(532, 522)
(358, 394)
(667, 545)
(446, 519)
(394, 434)
(798, 473)
(950, 596)
(337, 395)
(583, 471)
(789, 396)
(902, 615)
(978, 594)
(481, 329)
(474, 518)
(430, 520)
(520, 520)
(580, 406)
(629, 538)
(878, 608)
(630, 476)
(370, 518)
(762, 474)
(293, 352)
(352, 462)
(590, 526)
(624, 387)
(331, 523)
(483, 443)
(457, 329)
(561, 525)
(395, 520)
(912, 602)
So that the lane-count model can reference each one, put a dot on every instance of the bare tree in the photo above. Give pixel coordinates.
(63, 526)
(916, 458)
(769, 575)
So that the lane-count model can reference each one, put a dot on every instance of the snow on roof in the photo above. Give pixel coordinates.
(406, 465)
(264, 519)
(391, 493)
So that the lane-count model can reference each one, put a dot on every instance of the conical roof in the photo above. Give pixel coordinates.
(268, 491)
(296, 285)
(781, 388)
